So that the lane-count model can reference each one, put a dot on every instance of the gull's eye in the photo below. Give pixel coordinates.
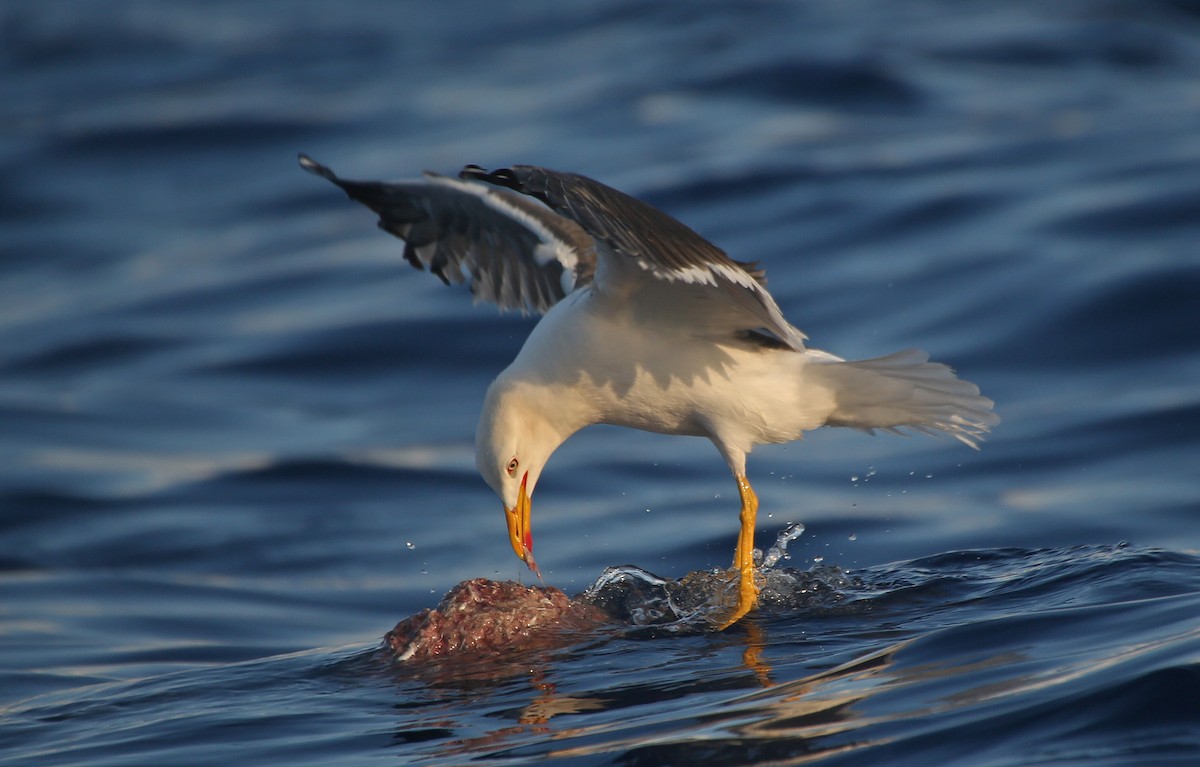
(512, 466)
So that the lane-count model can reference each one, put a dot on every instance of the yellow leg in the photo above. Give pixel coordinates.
(743, 556)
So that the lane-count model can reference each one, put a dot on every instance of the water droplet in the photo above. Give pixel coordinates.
(410, 545)
(818, 560)
(853, 477)
(853, 537)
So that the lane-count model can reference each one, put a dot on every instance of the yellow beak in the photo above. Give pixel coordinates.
(520, 534)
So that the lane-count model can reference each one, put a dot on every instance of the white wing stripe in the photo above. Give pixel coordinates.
(701, 274)
(552, 247)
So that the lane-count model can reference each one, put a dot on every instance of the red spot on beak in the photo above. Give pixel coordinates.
(529, 529)
(520, 533)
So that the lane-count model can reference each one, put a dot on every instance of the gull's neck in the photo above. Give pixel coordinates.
(547, 413)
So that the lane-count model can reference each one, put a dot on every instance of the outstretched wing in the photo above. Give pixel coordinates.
(628, 232)
(514, 251)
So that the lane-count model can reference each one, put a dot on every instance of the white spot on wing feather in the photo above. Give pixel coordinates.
(736, 274)
(703, 274)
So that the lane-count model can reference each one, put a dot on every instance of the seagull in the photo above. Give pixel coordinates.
(644, 324)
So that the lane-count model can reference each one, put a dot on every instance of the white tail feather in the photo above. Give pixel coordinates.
(906, 391)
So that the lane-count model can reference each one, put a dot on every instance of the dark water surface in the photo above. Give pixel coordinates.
(236, 429)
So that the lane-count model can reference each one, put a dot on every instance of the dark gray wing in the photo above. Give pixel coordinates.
(515, 252)
(629, 230)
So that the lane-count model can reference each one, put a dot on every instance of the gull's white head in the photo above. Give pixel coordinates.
(512, 443)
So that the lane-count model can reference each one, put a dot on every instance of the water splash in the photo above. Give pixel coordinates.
(779, 550)
(699, 600)
(636, 596)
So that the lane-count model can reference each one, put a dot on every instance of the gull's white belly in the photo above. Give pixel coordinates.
(722, 389)
(663, 376)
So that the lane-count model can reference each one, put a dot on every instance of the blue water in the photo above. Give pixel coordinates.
(236, 429)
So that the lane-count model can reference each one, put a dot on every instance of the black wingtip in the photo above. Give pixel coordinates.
(316, 168)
